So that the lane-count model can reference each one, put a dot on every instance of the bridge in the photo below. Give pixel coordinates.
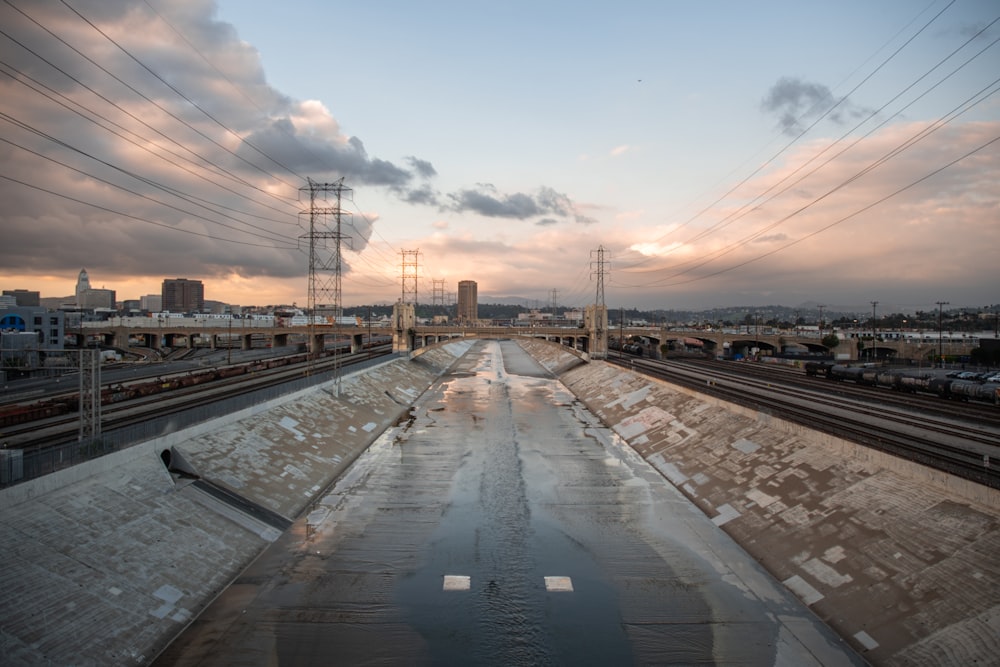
(592, 339)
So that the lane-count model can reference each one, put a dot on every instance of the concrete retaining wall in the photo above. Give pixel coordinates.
(899, 559)
(103, 564)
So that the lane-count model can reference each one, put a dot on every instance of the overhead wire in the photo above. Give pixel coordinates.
(194, 104)
(969, 102)
(118, 186)
(826, 113)
(139, 93)
(983, 94)
(129, 215)
(845, 218)
(19, 76)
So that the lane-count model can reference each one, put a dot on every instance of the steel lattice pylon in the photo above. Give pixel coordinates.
(325, 240)
(411, 268)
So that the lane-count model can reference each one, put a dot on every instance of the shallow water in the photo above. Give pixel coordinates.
(499, 480)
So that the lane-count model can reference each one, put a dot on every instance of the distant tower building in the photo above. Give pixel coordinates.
(82, 285)
(180, 295)
(23, 297)
(468, 301)
(151, 303)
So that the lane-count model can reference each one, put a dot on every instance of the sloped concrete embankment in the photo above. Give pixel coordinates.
(104, 563)
(899, 559)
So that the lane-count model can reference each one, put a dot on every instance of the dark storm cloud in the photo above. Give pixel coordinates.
(797, 103)
(486, 200)
(310, 155)
(201, 203)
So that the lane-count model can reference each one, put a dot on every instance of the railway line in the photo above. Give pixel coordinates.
(118, 415)
(965, 444)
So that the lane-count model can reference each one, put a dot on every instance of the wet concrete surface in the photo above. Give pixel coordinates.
(503, 525)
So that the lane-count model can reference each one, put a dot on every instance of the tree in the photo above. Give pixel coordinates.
(830, 341)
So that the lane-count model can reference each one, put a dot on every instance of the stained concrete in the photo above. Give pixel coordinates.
(900, 560)
(104, 563)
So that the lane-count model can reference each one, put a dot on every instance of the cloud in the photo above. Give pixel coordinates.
(423, 168)
(884, 229)
(796, 102)
(486, 200)
(204, 183)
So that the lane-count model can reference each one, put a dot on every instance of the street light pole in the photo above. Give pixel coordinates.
(940, 334)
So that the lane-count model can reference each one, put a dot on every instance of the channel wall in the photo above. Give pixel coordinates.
(106, 562)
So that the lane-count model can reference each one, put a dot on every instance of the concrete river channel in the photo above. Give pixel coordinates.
(502, 524)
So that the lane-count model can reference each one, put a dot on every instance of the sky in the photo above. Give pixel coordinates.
(679, 155)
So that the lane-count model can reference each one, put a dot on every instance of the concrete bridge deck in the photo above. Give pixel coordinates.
(103, 564)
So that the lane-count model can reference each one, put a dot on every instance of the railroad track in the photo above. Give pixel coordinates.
(979, 412)
(57, 431)
(958, 446)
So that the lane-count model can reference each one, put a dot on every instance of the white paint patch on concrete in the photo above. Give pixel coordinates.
(866, 640)
(803, 589)
(369, 427)
(834, 554)
(726, 514)
(761, 498)
(457, 582)
(826, 574)
(168, 593)
(648, 418)
(746, 446)
(290, 425)
(559, 584)
(668, 470)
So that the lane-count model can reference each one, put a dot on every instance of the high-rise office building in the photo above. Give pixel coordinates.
(180, 295)
(23, 297)
(468, 301)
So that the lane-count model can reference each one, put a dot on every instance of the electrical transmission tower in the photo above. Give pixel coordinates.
(411, 260)
(326, 238)
(553, 299)
(600, 272)
(437, 292)
(599, 312)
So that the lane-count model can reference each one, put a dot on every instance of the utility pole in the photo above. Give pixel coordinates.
(621, 331)
(90, 395)
(874, 354)
(821, 307)
(940, 334)
(325, 262)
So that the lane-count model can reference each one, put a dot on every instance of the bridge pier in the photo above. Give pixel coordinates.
(404, 317)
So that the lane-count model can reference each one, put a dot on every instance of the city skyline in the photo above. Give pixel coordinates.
(720, 153)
